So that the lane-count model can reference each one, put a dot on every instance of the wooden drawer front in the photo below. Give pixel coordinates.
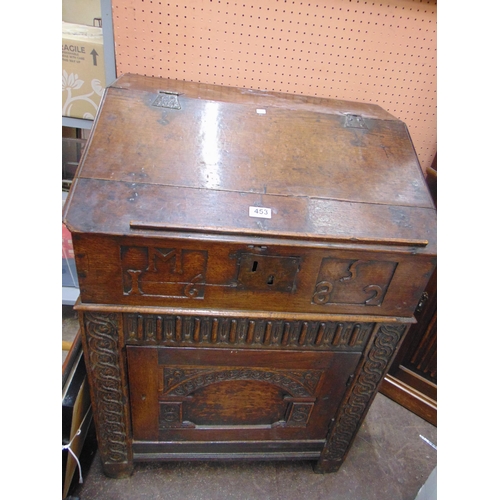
(234, 276)
(218, 394)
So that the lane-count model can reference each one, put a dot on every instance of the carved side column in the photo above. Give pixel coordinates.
(103, 347)
(358, 399)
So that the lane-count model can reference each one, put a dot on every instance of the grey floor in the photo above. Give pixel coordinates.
(388, 461)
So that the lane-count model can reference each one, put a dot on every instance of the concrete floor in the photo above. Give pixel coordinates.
(388, 461)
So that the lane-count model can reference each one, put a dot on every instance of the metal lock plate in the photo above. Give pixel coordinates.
(267, 273)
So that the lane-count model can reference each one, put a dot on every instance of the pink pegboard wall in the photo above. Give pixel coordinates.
(381, 52)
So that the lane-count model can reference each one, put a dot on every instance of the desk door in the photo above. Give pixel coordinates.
(205, 394)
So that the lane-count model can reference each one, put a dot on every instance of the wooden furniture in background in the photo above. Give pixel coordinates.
(412, 378)
(249, 263)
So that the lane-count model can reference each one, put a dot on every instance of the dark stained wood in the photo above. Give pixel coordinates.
(249, 263)
(216, 394)
(146, 271)
(412, 378)
(231, 450)
(411, 398)
(203, 145)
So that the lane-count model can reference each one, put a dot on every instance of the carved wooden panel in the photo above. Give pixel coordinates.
(354, 408)
(196, 394)
(170, 273)
(105, 367)
(181, 273)
(144, 329)
(163, 272)
(359, 282)
(286, 397)
(299, 414)
(182, 382)
(170, 415)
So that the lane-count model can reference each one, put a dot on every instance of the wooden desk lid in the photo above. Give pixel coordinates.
(170, 155)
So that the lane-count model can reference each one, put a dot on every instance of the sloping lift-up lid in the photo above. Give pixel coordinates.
(168, 156)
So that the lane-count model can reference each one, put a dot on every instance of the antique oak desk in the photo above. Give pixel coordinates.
(249, 263)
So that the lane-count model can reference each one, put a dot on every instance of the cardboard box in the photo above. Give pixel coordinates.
(83, 76)
(81, 11)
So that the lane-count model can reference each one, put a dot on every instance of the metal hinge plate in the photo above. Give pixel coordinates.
(354, 121)
(167, 100)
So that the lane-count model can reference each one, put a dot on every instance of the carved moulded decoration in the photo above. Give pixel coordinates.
(163, 272)
(101, 332)
(144, 329)
(180, 383)
(352, 282)
(364, 389)
(299, 414)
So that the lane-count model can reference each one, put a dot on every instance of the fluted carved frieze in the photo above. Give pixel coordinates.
(220, 331)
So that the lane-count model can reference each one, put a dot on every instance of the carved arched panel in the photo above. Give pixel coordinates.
(194, 395)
